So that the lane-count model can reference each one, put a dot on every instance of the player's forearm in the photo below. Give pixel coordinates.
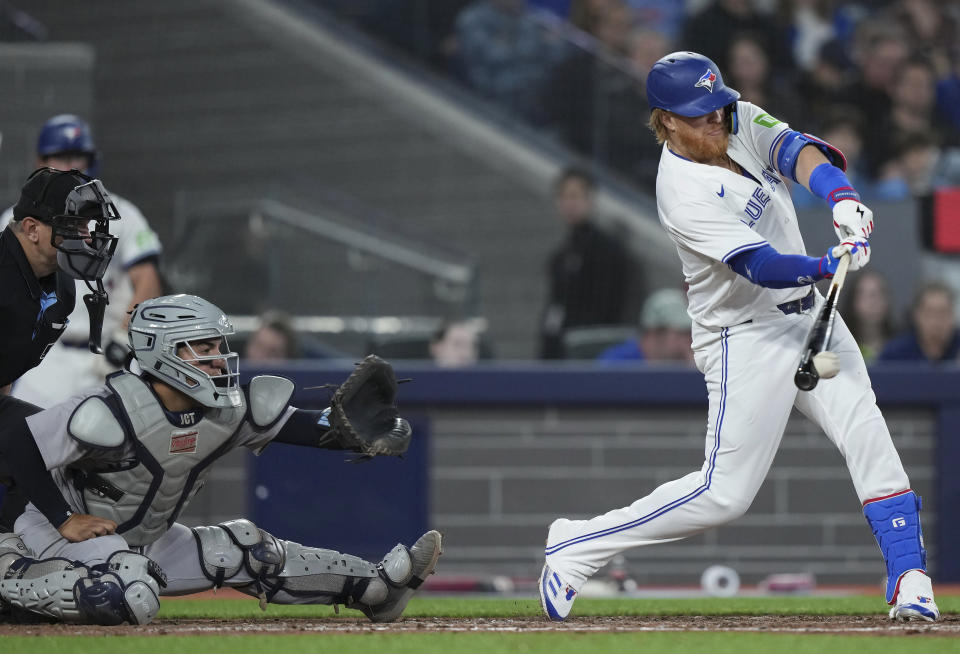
(810, 157)
(768, 268)
(30, 473)
(310, 429)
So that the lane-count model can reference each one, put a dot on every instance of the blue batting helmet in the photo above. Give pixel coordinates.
(67, 133)
(688, 84)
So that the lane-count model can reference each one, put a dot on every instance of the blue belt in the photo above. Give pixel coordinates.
(798, 306)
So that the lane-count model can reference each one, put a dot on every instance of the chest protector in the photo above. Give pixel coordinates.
(156, 466)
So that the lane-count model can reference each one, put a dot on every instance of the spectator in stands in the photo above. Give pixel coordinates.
(274, 340)
(593, 99)
(912, 167)
(455, 344)
(587, 273)
(712, 30)
(750, 73)
(825, 85)
(664, 332)
(912, 111)
(665, 17)
(934, 336)
(503, 54)
(808, 25)
(948, 87)
(867, 310)
(929, 25)
(880, 50)
(587, 14)
(646, 47)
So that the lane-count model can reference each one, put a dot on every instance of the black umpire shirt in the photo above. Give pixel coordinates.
(33, 312)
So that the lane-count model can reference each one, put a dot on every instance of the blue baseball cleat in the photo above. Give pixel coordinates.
(556, 596)
(915, 599)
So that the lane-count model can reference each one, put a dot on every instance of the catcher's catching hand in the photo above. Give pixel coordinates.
(364, 411)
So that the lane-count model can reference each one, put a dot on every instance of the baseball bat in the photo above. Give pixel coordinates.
(819, 339)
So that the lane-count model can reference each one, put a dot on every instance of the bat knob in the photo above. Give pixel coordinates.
(805, 379)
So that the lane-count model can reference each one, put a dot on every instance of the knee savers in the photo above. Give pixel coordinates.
(895, 522)
(238, 544)
(283, 571)
(124, 589)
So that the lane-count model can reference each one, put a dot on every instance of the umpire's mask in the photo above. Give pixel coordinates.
(69, 201)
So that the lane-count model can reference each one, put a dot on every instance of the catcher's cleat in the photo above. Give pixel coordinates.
(556, 596)
(915, 599)
(404, 571)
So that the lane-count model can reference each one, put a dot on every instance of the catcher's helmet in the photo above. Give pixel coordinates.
(65, 200)
(688, 84)
(68, 134)
(161, 326)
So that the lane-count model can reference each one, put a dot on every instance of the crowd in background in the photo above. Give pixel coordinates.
(879, 77)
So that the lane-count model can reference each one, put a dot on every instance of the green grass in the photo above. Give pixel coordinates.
(552, 642)
(485, 643)
(513, 608)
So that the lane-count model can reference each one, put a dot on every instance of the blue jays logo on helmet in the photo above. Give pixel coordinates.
(67, 133)
(706, 80)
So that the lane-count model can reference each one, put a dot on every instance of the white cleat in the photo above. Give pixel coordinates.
(556, 596)
(915, 599)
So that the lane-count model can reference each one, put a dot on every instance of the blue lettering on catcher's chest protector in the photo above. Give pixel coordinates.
(755, 206)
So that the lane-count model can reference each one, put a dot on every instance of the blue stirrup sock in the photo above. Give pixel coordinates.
(895, 521)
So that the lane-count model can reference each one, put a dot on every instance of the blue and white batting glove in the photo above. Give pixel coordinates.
(859, 257)
(852, 219)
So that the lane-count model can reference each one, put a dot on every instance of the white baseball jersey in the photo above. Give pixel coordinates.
(713, 214)
(748, 351)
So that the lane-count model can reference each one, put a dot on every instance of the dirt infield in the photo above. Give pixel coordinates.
(862, 625)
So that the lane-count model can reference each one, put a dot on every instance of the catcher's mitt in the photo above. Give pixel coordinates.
(364, 411)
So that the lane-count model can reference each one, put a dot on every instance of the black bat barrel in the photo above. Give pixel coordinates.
(806, 378)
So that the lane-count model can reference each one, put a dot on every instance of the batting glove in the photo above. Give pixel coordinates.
(859, 257)
(852, 220)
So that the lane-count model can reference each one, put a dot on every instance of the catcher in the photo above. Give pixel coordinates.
(108, 472)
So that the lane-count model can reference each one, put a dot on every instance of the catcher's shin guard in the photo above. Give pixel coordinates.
(284, 572)
(124, 589)
(895, 521)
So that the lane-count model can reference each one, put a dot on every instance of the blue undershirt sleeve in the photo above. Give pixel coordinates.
(768, 268)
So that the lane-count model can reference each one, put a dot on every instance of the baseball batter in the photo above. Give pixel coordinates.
(108, 472)
(722, 197)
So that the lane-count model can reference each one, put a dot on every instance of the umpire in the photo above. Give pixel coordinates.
(45, 247)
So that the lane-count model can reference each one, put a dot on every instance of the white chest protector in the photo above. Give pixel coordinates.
(151, 468)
